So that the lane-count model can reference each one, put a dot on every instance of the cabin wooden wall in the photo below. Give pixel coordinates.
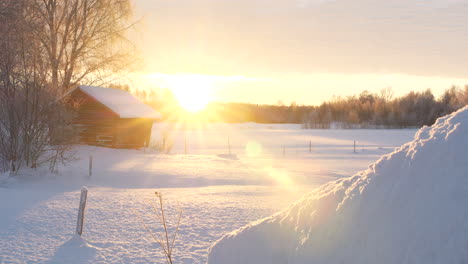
(133, 132)
(100, 126)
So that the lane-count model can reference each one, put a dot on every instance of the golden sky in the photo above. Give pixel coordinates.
(261, 51)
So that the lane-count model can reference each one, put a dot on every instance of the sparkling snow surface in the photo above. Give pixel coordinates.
(411, 206)
(269, 168)
(38, 233)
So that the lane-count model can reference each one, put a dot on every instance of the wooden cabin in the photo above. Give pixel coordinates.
(111, 117)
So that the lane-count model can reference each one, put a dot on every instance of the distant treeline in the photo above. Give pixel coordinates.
(414, 109)
(366, 110)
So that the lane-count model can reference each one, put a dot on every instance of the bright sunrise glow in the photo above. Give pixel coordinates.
(288, 56)
(192, 91)
(193, 97)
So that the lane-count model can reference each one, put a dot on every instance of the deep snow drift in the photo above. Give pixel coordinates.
(411, 206)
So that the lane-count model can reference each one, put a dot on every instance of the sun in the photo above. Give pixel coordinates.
(192, 99)
(192, 92)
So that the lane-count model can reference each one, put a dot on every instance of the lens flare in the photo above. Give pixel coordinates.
(253, 149)
(281, 178)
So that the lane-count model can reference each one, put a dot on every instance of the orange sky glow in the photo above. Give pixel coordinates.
(299, 51)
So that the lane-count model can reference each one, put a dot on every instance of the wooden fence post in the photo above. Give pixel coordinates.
(310, 146)
(354, 146)
(81, 210)
(90, 173)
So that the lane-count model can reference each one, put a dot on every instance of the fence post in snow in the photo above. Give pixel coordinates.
(81, 211)
(90, 172)
(354, 146)
(310, 146)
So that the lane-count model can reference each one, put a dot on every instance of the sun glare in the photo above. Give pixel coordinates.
(192, 92)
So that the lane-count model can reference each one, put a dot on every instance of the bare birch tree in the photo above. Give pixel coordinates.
(84, 40)
(47, 47)
(29, 110)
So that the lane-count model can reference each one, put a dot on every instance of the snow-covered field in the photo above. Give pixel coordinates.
(271, 167)
(408, 207)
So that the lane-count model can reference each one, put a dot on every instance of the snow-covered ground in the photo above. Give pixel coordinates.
(271, 167)
(39, 231)
(408, 207)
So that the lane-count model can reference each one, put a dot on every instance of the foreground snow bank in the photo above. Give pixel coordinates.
(408, 207)
(75, 250)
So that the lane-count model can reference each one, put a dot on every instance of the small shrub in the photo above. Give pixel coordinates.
(164, 145)
(165, 240)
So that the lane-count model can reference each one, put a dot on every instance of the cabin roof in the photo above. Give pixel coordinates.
(120, 102)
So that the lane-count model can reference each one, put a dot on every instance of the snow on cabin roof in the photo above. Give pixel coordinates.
(121, 102)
